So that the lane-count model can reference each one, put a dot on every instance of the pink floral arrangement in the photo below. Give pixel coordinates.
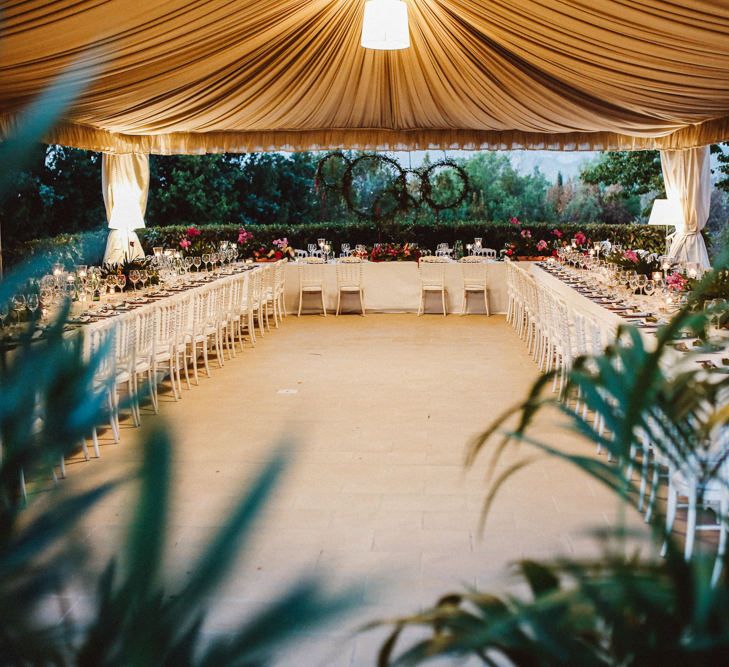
(244, 236)
(631, 255)
(542, 245)
(192, 232)
(514, 221)
(557, 233)
(580, 239)
(281, 243)
(185, 244)
(526, 234)
(676, 282)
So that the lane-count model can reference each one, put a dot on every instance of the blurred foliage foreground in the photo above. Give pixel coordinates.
(619, 609)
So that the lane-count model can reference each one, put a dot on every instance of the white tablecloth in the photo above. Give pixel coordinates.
(394, 287)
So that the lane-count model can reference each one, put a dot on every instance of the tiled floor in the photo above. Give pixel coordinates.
(379, 410)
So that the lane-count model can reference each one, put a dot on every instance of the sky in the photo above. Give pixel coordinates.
(549, 162)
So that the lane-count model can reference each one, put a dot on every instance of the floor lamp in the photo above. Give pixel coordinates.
(666, 213)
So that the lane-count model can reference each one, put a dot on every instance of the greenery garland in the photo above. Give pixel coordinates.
(398, 190)
(426, 187)
(404, 200)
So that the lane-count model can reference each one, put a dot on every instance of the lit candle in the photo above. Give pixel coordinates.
(657, 275)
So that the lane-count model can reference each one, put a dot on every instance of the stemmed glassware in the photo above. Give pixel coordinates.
(134, 277)
(143, 277)
(121, 281)
(19, 305)
(206, 260)
(197, 261)
(111, 283)
(188, 261)
(32, 303)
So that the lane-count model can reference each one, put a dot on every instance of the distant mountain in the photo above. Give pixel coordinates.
(548, 162)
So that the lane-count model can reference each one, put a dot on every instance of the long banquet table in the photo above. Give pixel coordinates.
(394, 287)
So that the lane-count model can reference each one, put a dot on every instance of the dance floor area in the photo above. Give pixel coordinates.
(379, 410)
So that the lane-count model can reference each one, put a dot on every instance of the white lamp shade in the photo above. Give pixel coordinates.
(385, 26)
(666, 212)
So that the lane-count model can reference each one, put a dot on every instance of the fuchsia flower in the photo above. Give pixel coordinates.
(542, 245)
(244, 236)
(514, 221)
(557, 233)
(631, 255)
(676, 282)
(192, 232)
(185, 244)
(526, 234)
(281, 243)
(580, 238)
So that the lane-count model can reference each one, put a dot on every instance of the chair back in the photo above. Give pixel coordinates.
(484, 252)
(474, 272)
(311, 273)
(146, 332)
(349, 272)
(432, 271)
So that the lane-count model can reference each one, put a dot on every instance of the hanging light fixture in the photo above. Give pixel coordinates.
(385, 25)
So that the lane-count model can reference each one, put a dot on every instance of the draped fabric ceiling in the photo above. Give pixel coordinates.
(177, 76)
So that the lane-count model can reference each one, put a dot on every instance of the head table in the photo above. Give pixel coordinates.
(394, 287)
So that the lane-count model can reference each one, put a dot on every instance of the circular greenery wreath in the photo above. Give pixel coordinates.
(404, 200)
(398, 189)
(426, 188)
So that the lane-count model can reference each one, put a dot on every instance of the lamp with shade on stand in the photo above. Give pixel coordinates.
(666, 213)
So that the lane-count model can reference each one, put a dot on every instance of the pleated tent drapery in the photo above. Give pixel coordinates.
(125, 185)
(173, 76)
(687, 176)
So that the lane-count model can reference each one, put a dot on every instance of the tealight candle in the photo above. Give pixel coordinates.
(657, 275)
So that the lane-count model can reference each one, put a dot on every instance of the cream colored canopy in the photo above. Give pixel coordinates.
(243, 75)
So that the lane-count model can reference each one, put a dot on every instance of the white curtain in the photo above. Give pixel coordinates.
(687, 176)
(125, 184)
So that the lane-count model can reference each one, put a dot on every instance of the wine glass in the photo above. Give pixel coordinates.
(19, 305)
(111, 283)
(121, 281)
(143, 277)
(134, 277)
(206, 260)
(32, 303)
(649, 288)
(189, 261)
(197, 261)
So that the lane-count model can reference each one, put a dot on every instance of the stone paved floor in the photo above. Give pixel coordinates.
(380, 409)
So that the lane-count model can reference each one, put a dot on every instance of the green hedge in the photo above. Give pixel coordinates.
(89, 247)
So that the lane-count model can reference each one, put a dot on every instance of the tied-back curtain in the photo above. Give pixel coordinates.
(687, 177)
(125, 184)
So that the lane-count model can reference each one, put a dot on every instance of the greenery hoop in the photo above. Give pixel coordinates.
(404, 200)
(319, 177)
(426, 188)
(398, 190)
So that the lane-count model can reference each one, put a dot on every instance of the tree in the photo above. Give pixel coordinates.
(638, 172)
(722, 158)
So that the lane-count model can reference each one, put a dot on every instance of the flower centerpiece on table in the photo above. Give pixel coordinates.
(640, 261)
(395, 252)
(246, 244)
(279, 249)
(192, 243)
(677, 282)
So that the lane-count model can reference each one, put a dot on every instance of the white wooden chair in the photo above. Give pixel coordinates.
(474, 281)
(432, 279)
(349, 280)
(311, 281)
